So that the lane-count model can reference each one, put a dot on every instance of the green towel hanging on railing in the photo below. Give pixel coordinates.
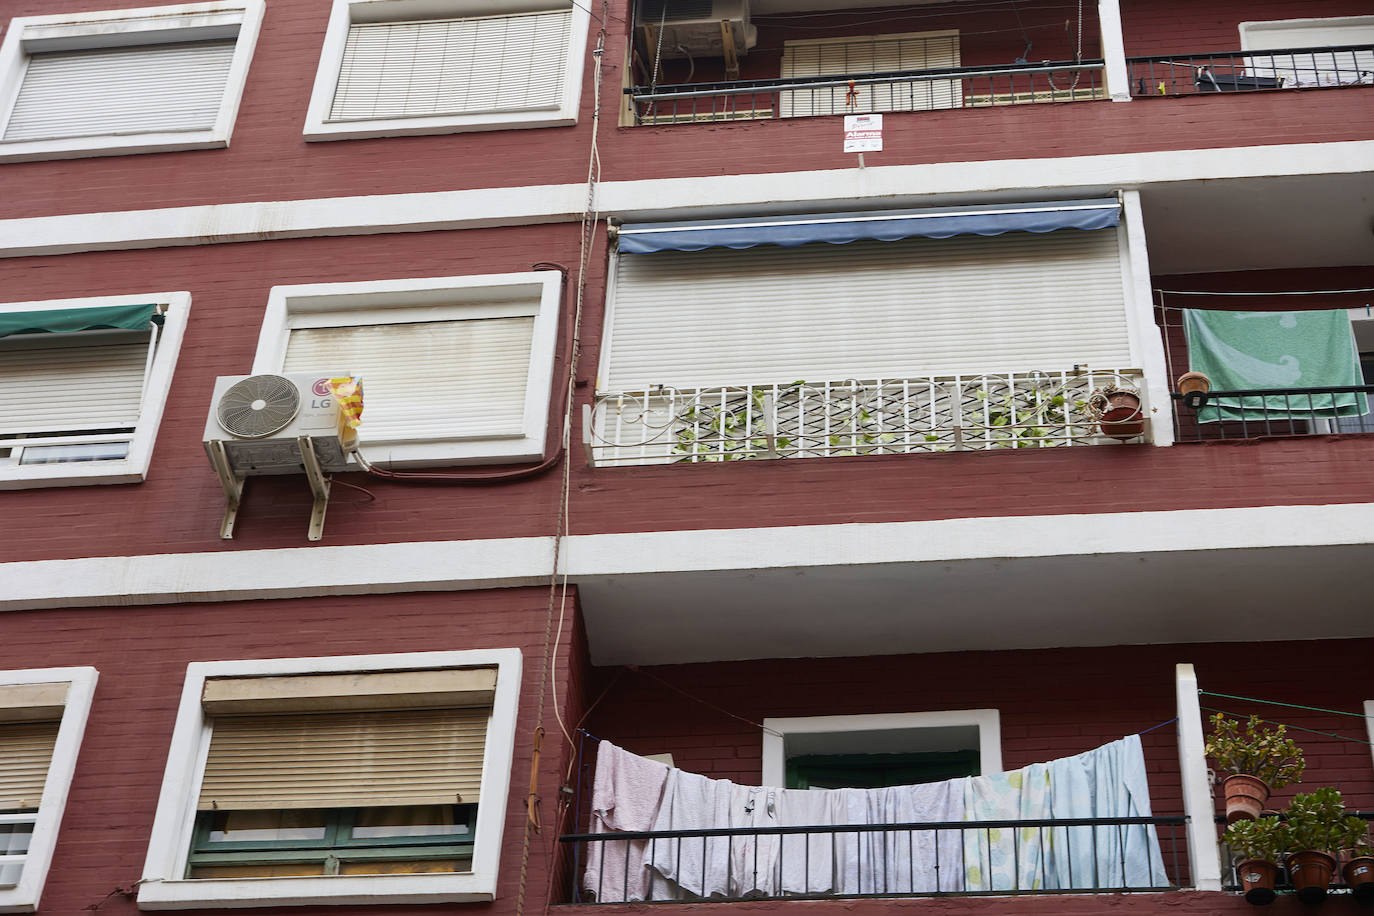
(1240, 350)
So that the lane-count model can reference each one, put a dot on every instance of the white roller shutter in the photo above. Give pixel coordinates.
(133, 90)
(868, 310)
(1329, 69)
(871, 54)
(68, 389)
(453, 66)
(428, 380)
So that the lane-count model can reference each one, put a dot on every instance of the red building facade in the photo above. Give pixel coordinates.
(589, 405)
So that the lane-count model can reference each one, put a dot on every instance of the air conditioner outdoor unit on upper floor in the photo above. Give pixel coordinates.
(697, 28)
(277, 424)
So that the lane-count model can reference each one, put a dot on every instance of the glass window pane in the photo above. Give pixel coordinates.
(269, 826)
(410, 820)
(14, 841)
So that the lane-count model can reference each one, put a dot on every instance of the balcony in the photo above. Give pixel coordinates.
(1249, 71)
(1016, 410)
(910, 90)
(780, 59)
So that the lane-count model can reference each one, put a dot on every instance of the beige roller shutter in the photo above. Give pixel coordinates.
(25, 752)
(121, 90)
(868, 310)
(332, 760)
(871, 54)
(452, 66)
(70, 388)
(428, 380)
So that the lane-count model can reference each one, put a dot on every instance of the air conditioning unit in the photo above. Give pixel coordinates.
(697, 28)
(260, 419)
(277, 424)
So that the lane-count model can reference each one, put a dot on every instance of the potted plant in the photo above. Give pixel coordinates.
(1116, 408)
(1254, 761)
(1318, 827)
(1258, 845)
(1194, 387)
(1358, 866)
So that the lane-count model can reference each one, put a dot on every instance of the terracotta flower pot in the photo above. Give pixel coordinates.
(1245, 797)
(1311, 872)
(1194, 387)
(1257, 879)
(1359, 877)
(1122, 418)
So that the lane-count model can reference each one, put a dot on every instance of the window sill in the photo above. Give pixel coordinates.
(107, 145)
(72, 474)
(316, 130)
(223, 893)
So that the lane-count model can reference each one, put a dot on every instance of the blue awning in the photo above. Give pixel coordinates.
(885, 226)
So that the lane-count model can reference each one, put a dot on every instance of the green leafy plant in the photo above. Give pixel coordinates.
(1317, 820)
(1255, 750)
(1266, 838)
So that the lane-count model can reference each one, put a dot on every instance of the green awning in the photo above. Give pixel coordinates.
(1297, 350)
(62, 321)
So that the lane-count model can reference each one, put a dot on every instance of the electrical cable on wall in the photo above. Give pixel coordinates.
(558, 585)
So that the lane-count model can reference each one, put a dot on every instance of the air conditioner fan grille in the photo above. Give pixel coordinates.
(258, 406)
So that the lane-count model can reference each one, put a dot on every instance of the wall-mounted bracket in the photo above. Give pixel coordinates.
(319, 486)
(233, 488)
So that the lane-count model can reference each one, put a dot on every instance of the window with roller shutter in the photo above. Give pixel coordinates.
(42, 717)
(82, 386)
(453, 368)
(142, 80)
(394, 68)
(375, 778)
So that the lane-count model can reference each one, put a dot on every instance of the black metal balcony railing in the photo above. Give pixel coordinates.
(1251, 71)
(886, 860)
(904, 90)
(1255, 412)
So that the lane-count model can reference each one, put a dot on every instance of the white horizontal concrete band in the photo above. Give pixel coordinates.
(898, 185)
(514, 562)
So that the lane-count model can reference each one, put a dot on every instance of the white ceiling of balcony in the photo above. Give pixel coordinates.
(995, 603)
(1260, 223)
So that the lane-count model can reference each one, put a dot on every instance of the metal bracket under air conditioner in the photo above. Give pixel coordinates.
(233, 486)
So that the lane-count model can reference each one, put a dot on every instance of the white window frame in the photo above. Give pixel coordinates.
(24, 896)
(132, 468)
(536, 294)
(163, 886)
(775, 732)
(345, 13)
(31, 34)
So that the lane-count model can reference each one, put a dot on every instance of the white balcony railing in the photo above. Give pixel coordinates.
(806, 419)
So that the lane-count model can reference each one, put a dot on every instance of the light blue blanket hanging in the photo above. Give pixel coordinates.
(1108, 782)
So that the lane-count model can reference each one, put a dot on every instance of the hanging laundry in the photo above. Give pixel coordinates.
(626, 797)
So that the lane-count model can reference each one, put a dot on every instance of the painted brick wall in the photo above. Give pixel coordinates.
(1183, 26)
(142, 653)
(178, 508)
(268, 159)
